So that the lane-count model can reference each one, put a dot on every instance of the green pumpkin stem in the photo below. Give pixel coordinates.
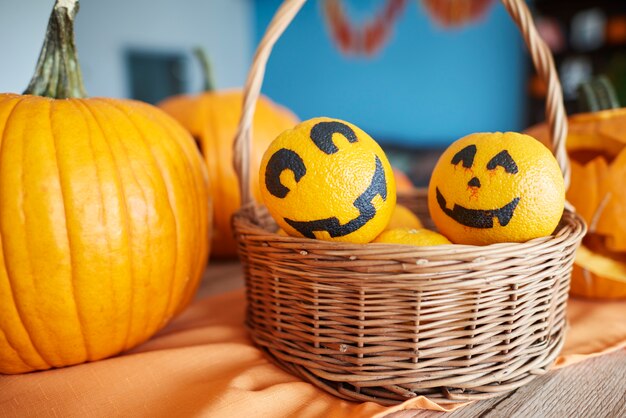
(597, 94)
(207, 72)
(58, 74)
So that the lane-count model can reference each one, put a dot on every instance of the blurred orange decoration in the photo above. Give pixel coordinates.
(403, 182)
(455, 13)
(616, 30)
(365, 39)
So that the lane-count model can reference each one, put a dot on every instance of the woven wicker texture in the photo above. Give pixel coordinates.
(389, 322)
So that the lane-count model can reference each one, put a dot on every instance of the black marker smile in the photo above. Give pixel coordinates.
(367, 210)
(477, 218)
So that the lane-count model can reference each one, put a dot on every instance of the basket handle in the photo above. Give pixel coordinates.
(539, 51)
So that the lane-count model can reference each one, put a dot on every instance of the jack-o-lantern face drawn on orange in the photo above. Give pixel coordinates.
(328, 179)
(496, 187)
(481, 218)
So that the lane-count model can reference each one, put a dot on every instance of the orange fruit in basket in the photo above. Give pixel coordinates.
(327, 179)
(403, 217)
(496, 187)
(411, 236)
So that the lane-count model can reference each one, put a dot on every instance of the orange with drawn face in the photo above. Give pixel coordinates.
(496, 187)
(327, 179)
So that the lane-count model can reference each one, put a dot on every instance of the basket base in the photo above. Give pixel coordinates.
(395, 394)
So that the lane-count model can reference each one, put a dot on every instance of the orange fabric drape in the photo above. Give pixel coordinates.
(204, 364)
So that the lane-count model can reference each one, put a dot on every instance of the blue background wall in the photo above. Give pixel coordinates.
(428, 87)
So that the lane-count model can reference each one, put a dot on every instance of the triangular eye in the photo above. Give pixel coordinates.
(466, 156)
(503, 159)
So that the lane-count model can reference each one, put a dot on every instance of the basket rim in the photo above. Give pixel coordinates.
(572, 228)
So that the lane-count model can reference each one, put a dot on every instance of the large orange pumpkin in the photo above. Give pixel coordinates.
(596, 145)
(103, 216)
(212, 118)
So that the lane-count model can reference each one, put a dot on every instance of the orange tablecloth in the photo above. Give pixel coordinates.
(204, 364)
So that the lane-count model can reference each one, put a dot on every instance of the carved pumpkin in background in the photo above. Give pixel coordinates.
(596, 145)
(103, 216)
(212, 118)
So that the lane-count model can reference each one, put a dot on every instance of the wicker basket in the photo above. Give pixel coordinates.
(385, 323)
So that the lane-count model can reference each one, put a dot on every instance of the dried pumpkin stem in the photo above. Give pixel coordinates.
(58, 74)
(207, 71)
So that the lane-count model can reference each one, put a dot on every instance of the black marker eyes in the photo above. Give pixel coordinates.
(503, 159)
(466, 156)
